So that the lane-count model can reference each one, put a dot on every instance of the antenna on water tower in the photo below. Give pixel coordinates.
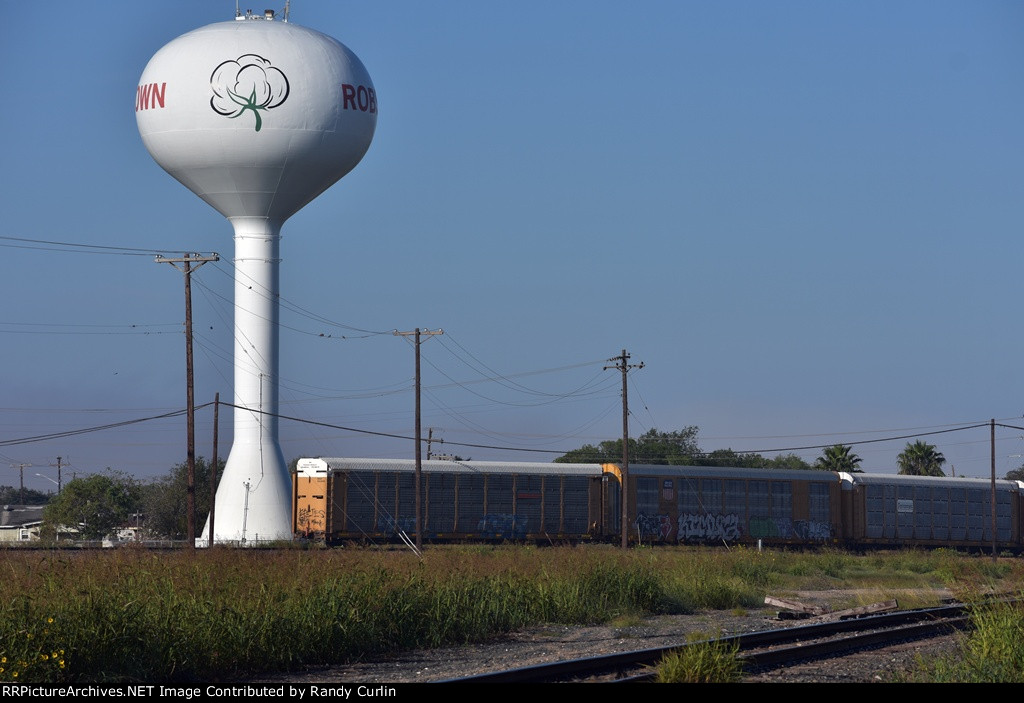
(257, 118)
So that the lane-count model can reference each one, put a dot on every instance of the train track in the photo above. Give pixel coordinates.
(757, 650)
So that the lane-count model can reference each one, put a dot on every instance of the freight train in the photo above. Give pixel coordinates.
(337, 500)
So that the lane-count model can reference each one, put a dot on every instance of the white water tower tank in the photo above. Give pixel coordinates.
(257, 117)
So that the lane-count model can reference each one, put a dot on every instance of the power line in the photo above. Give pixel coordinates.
(79, 248)
(144, 333)
(280, 324)
(858, 432)
(867, 441)
(177, 413)
(506, 379)
(96, 428)
(552, 398)
(299, 310)
(69, 324)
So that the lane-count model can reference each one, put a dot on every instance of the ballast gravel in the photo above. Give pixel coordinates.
(549, 643)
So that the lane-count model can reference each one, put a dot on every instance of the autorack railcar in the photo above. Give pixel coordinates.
(717, 504)
(354, 499)
(930, 511)
(339, 499)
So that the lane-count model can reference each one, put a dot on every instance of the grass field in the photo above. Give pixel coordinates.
(132, 615)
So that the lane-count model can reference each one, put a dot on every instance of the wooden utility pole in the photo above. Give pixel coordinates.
(417, 333)
(21, 473)
(187, 260)
(623, 365)
(992, 442)
(59, 465)
(213, 468)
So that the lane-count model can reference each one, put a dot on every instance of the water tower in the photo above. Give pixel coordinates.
(256, 116)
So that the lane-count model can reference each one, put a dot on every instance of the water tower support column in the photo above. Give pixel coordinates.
(254, 496)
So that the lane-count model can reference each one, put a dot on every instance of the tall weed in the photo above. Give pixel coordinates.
(992, 653)
(701, 662)
(139, 616)
(217, 614)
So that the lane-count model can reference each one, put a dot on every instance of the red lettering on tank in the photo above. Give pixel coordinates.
(142, 98)
(150, 96)
(348, 94)
(158, 94)
(373, 100)
(363, 98)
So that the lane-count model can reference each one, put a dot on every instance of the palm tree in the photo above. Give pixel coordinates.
(920, 459)
(838, 457)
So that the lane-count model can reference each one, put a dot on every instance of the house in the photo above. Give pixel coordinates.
(20, 523)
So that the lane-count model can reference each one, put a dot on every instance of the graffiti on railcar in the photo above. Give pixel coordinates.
(402, 524)
(503, 525)
(763, 527)
(654, 526)
(812, 530)
(310, 518)
(785, 528)
(705, 526)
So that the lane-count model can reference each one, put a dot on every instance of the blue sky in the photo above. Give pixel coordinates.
(803, 217)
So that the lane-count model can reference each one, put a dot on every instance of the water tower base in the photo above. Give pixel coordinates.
(253, 499)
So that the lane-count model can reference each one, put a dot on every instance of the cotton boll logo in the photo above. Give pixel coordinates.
(248, 83)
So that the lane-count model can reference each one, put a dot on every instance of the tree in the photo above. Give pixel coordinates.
(788, 461)
(920, 459)
(678, 448)
(165, 500)
(95, 505)
(838, 457)
(652, 447)
(1015, 474)
(11, 495)
(747, 460)
(728, 457)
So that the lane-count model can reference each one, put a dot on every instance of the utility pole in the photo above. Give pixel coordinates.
(59, 465)
(187, 260)
(417, 333)
(21, 471)
(992, 441)
(623, 365)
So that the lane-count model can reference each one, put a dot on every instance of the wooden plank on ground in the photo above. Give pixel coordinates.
(795, 606)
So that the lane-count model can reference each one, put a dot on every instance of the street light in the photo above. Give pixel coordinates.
(50, 480)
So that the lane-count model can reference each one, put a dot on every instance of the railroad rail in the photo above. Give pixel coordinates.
(757, 650)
